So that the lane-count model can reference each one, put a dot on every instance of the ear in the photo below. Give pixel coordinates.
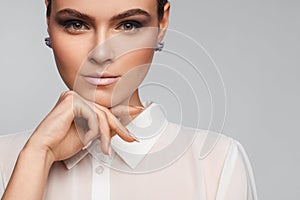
(47, 17)
(163, 24)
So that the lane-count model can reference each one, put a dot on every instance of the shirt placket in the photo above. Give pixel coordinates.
(101, 175)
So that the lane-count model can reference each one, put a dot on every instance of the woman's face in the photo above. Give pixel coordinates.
(103, 48)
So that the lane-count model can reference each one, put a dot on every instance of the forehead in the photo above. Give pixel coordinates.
(105, 8)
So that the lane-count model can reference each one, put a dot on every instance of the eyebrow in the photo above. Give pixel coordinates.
(125, 14)
(74, 13)
(128, 13)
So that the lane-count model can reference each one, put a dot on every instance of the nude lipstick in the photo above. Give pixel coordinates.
(102, 79)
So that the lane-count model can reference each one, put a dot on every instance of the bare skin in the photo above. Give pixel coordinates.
(57, 138)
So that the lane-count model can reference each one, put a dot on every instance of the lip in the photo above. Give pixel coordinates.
(102, 79)
(102, 75)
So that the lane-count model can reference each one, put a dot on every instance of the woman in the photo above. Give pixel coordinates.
(100, 141)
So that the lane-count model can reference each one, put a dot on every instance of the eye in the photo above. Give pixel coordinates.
(75, 26)
(130, 26)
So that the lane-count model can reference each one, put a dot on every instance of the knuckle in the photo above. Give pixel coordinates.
(62, 95)
(69, 96)
(70, 93)
(104, 109)
(102, 115)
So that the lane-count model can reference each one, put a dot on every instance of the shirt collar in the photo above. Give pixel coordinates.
(148, 126)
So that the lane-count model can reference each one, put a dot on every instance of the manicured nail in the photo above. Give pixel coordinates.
(134, 137)
(109, 152)
(139, 107)
(107, 147)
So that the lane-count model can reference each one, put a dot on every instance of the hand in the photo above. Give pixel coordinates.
(61, 138)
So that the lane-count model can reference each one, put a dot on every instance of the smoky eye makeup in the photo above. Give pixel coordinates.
(131, 25)
(72, 24)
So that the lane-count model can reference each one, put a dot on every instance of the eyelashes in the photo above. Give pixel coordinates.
(75, 26)
(130, 26)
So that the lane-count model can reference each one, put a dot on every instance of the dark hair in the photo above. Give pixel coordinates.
(160, 8)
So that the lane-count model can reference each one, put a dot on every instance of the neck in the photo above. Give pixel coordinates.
(134, 100)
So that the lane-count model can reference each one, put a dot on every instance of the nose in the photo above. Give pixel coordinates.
(103, 53)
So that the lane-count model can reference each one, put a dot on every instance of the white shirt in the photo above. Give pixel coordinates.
(170, 162)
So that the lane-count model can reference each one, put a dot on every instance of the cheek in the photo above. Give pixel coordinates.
(68, 58)
(135, 68)
(136, 59)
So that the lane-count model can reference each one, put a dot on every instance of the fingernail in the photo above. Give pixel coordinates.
(87, 145)
(107, 147)
(131, 135)
(139, 107)
(134, 137)
(109, 152)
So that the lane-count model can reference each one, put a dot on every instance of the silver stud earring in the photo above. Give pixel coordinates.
(48, 42)
(159, 46)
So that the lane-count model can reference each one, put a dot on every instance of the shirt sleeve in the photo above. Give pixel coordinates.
(237, 178)
(1, 185)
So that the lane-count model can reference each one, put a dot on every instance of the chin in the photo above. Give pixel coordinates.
(109, 95)
(103, 98)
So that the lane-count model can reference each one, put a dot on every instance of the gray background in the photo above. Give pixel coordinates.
(255, 44)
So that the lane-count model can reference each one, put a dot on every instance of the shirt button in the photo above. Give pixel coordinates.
(99, 169)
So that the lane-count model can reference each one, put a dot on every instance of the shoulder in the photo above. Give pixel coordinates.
(10, 147)
(207, 144)
(15, 140)
(210, 147)
(225, 163)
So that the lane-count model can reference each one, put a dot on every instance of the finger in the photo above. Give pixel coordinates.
(82, 110)
(123, 110)
(105, 135)
(108, 127)
(123, 132)
(104, 129)
(116, 126)
(126, 113)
